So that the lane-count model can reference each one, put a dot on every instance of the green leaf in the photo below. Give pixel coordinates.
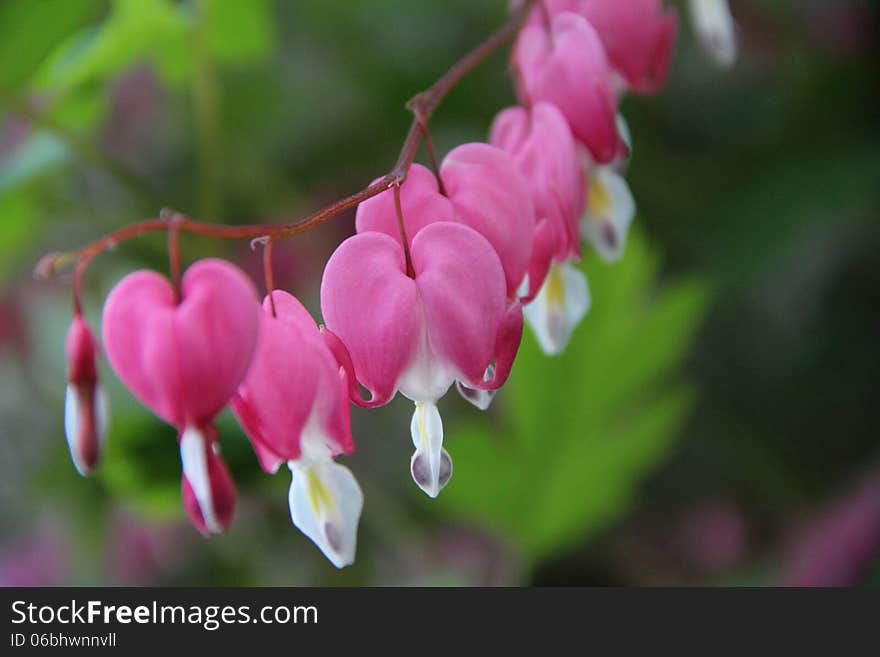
(17, 229)
(137, 30)
(577, 433)
(31, 29)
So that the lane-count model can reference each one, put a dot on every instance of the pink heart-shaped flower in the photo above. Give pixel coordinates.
(418, 334)
(543, 147)
(568, 67)
(293, 387)
(182, 360)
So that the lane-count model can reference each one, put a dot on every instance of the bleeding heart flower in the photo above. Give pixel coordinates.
(419, 335)
(85, 407)
(543, 147)
(567, 66)
(485, 191)
(490, 194)
(294, 407)
(184, 360)
(715, 29)
(638, 35)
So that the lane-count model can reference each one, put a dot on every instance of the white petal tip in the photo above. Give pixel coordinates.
(482, 399)
(194, 459)
(325, 505)
(716, 30)
(559, 307)
(85, 425)
(427, 477)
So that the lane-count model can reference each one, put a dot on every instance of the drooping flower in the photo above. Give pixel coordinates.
(638, 35)
(420, 334)
(566, 65)
(540, 142)
(490, 194)
(85, 407)
(715, 29)
(294, 407)
(483, 189)
(184, 359)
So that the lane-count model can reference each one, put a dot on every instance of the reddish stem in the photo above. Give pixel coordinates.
(410, 271)
(267, 273)
(432, 157)
(423, 106)
(174, 253)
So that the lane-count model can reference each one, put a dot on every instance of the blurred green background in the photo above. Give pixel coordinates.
(711, 423)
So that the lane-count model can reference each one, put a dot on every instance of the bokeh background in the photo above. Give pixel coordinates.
(713, 421)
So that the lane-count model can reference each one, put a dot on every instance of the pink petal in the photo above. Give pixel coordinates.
(184, 361)
(542, 257)
(639, 38)
(571, 71)
(293, 381)
(370, 303)
(462, 287)
(420, 201)
(491, 196)
(544, 149)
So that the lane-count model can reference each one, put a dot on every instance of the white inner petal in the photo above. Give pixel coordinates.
(427, 376)
(195, 469)
(325, 504)
(715, 28)
(430, 465)
(482, 399)
(71, 424)
(609, 214)
(559, 307)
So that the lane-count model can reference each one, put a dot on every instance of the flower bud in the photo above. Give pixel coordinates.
(85, 408)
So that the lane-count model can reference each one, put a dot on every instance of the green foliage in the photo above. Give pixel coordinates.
(23, 47)
(16, 230)
(578, 433)
(135, 30)
(238, 31)
(141, 466)
(71, 60)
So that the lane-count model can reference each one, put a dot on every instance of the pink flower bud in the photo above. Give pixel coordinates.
(567, 66)
(85, 410)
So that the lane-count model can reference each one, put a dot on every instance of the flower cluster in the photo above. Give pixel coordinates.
(432, 290)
